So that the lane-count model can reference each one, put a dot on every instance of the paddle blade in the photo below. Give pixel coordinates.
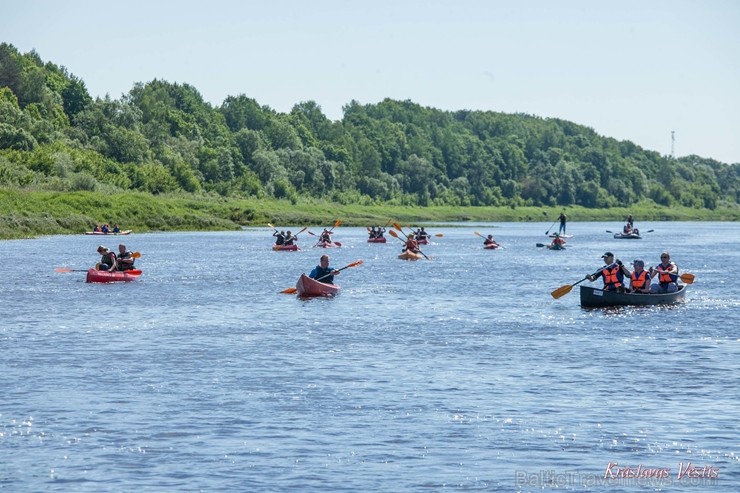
(289, 291)
(312, 233)
(136, 255)
(354, 264)
(687, 278)
(562, 291)
(273, 227)
(337, 223)
(538, 245)
(397, 226)
(301, 231)
(63, 269)
(439, 235)
(393, 234)
(337, 243)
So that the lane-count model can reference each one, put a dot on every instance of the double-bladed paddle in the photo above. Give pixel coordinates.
(353, 264)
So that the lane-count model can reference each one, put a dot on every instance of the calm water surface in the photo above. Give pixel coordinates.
(459, 373)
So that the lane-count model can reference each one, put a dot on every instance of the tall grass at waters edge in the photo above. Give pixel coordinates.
(30, 214)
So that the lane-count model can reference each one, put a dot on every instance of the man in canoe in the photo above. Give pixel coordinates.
(279, 237)
(639, 278)
(107, 259)
(665, 275)
(322, 272)
(125, 258)
(289, 238)
(611, 272)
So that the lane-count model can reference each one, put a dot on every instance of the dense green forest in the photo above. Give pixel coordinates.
(163, 138)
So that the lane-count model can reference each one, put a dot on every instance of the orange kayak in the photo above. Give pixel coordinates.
(409, 255)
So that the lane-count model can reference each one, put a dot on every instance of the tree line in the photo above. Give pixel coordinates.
(163, 137)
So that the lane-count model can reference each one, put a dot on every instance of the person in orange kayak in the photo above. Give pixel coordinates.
(322, 272)
(107, 259)
(665, 275)
(639, 278)
(611, 272)
(411, 244)
(125, 260)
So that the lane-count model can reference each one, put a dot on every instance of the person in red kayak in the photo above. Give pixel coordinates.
(107, 259)
(125, 260)
(325, 236)
(322, 272)
(490, 241)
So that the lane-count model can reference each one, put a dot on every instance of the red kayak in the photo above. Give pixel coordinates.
(379, 239)
(311, 287)
(423, 241)
(286, 248)
(491, 246)
(94, 275)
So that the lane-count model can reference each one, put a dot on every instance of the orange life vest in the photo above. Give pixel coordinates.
(610, 276)
(666, 277)
(639, 280)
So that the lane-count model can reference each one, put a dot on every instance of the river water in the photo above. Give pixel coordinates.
(460, 373)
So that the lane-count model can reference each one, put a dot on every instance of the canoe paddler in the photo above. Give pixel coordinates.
(611, 272)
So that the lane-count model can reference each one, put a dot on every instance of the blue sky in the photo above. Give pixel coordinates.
(633, 70)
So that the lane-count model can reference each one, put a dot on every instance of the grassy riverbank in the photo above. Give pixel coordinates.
(30, 214)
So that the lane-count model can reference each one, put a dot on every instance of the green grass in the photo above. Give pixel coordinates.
(30, 214)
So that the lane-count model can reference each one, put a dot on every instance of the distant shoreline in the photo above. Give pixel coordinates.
(31, 214)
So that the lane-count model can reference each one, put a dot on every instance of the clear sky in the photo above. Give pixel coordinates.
(633, 69)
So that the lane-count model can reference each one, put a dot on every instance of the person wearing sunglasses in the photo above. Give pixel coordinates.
(664, 275)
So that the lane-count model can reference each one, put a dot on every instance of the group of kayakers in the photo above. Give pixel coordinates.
(284, 238)
(376, 232)
(663, 278)
(111, 261)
